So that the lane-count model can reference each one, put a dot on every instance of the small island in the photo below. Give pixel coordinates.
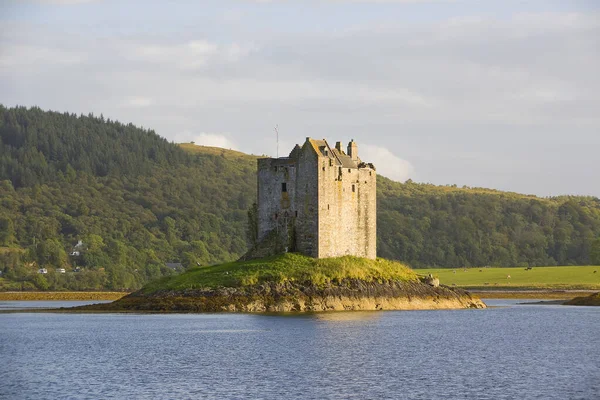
(591, 300)
(293, 283)
(313, 233)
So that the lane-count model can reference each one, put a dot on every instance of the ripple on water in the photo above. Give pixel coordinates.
(524, 352)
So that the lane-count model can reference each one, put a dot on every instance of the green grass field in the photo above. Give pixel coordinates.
(580, 277)
(282, 268)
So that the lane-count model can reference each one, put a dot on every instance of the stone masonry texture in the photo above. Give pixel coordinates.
(319, 201)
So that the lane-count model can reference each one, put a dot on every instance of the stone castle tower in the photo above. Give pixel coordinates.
(319, 201)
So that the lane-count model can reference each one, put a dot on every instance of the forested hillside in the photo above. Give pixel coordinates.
(446, 226)
(138, 202)
(135, 200)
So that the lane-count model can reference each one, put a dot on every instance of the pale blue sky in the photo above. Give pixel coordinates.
(500, 94)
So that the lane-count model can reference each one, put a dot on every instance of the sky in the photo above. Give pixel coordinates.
(498, 94)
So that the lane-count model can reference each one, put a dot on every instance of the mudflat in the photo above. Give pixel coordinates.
(47, 296)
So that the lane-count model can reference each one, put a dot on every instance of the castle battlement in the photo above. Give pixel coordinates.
(319, 201)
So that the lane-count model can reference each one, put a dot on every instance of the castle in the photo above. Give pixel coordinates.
(319, 201)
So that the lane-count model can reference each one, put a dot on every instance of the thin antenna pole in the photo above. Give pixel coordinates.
(277, 133)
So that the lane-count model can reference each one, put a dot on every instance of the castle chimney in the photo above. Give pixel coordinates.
(353, 150)
(338, 146)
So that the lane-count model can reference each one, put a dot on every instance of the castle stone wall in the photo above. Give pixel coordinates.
(326, 209)
(276, 207)
(307, 224)
(347, 204)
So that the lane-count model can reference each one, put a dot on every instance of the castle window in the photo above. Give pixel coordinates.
(284, 187)
(330, 162)
(328, 206)
(323, 168)
(296, 214)
(370, 173)
(349, 170)
(353, 188)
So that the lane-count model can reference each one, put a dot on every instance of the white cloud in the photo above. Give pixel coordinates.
(64, 2)
(386, 163)
(190, 55)
(138, 101)
(482, 84)
(31, 56)
(207, 139)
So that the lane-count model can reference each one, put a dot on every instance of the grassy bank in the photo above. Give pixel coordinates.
(293, 283)
(528, 294)
(284, 268)
(46, 296)
(537, 278)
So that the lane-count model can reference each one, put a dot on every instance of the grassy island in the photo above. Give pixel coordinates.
(289, 267)
(293, 282)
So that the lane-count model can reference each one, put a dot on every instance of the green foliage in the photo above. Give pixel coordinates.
(444, 226)
(282, 268)
(137, 201)
(7, 231)
(595, 252)
(51, 253)
(252, 228)
(40, 282)
(134, 199)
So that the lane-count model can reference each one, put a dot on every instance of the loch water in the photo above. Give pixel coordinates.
(507, 352)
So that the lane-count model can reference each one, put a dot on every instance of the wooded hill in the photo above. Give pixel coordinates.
(138, 202)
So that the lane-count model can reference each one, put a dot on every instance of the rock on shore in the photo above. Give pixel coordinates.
(349, 294)
(592, 300)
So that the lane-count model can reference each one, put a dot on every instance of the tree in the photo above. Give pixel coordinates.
(595, 252)
(138, 201)
(7, 231)
(50, 252)
(252, 227)
(41, 282)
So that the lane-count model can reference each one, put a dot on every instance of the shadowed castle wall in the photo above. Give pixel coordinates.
(276, 207)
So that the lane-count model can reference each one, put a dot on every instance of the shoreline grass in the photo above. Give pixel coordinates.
(64, 296)
(529, 294)
(519, 278)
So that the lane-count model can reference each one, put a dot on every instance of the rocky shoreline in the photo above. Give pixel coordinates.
(350, 294)
(591, 300)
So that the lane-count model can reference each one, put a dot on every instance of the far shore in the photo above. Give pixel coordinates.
(482, 294)
(61, 296)
(531, 294)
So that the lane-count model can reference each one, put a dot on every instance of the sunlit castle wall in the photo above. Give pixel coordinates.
(321, 200)
(347, 209)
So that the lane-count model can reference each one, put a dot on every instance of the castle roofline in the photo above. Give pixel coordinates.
(342, 159)
(322, 149)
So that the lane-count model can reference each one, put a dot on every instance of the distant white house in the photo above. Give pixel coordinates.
(76, 252)
(42, 271)
(61, 270)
